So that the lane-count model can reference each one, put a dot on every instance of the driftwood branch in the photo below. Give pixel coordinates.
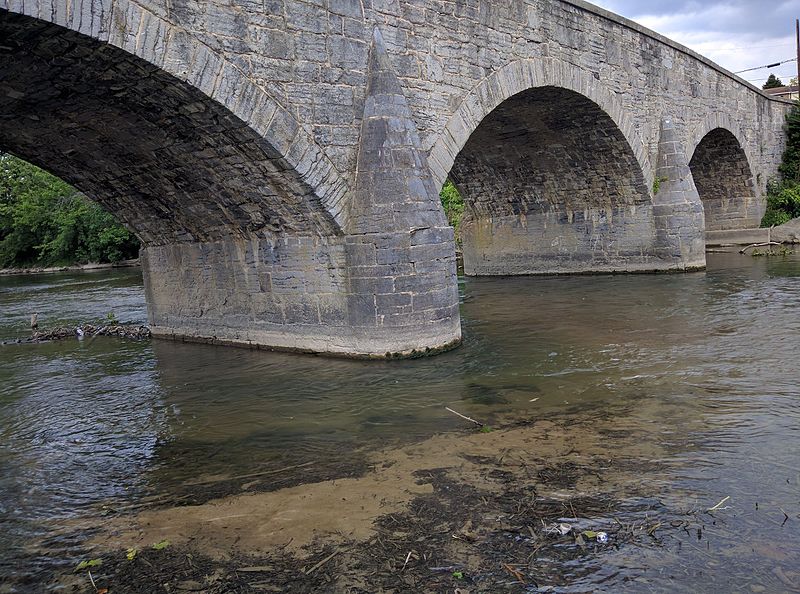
(479, 424)
(755, 245)
(719, 505)
(323, 562)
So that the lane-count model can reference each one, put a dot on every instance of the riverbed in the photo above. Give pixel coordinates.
(662, 410)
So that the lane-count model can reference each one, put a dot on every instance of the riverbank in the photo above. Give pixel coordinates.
(74, 268)
(505, 510)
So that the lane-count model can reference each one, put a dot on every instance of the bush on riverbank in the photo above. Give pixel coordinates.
(783, 197)
(45, 222)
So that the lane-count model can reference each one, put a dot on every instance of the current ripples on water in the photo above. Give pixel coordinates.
(705, 359)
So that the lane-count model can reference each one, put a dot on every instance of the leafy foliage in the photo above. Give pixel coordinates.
(657, 184)
(89, 564)
(453, 205)
(44, 221)
(160, 546)
(783, 203)
(790, 164)
(773, 82)
(783, 197)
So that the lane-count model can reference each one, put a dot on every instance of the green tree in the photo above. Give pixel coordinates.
(790, 163)
(453, 205)
(783, 196)
(45, 221)
(783, 204)
(773, 82)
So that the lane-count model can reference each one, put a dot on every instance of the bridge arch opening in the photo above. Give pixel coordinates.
(551, 185)
(170, 162)
(725, 183)
(243, 219)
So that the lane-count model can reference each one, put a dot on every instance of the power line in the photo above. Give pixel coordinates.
(790, 73)
(767, 66)
(737, 49)
(763, 78)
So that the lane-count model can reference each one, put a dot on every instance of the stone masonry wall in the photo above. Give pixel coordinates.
(456, 61)
(311, 57)
(170, 162)
(332, 295)
(551, 185)
(248, 238)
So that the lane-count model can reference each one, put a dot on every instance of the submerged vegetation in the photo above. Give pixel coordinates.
(46, 222)
(783, 196)
(453, 205)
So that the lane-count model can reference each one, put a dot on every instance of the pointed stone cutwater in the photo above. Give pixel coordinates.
(677, 209)
(400, 251)
(394, 189)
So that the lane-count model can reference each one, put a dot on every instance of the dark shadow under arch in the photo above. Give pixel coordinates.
(552, 185)
(173, 164)
(725, 182)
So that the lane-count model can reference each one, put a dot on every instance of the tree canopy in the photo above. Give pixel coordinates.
(783, 196)
(773, 82)
(453, 205)
(45, 221)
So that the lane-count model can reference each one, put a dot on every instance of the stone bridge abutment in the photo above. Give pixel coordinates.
(281, 160)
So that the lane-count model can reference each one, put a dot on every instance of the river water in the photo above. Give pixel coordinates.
(708, 360)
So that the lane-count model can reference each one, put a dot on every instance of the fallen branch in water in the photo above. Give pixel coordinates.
(246, 476)
(479, 424)
(130, 331)
(716, 507)
(755, 245)
(323, 562)
(515, 572)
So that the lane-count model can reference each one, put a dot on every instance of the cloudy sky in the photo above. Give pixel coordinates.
(737, 34)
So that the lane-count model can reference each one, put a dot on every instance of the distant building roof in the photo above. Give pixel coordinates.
(783, 91)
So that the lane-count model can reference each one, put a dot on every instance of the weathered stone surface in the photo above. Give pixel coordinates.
(396, 225)
(677, 209)
(280, 160)
(296, 293)
(733, 237)
(786, 233)
(173, 164)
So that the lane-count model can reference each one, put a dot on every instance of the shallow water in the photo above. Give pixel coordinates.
(705, 359)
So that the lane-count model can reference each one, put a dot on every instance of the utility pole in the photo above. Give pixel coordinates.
(797, 23)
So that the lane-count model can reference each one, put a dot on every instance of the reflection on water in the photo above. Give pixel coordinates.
(706, 359)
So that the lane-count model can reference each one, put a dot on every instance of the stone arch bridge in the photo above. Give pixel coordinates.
(281, 159)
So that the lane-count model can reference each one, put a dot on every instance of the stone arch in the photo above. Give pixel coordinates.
(123, 55)
(720, 166)
(718, 120)
(519, 76)
(551, 182)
